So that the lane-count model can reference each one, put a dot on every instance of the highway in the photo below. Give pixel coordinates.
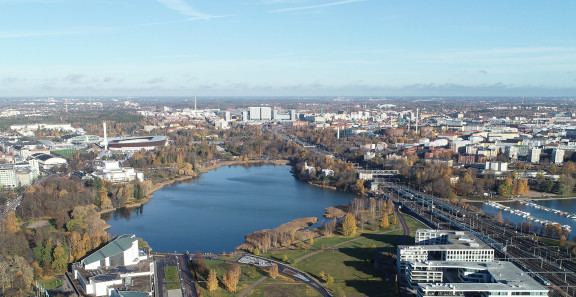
(551, 266)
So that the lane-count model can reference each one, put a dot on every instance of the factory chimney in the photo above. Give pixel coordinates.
(105, 143)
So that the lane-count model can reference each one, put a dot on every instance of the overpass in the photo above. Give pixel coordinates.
(370, 174)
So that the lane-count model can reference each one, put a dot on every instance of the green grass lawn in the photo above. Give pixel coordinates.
(286, 289)
(350, 264)
(249, 273)
(50, 283)
(222, 292)
(171, 273)
(65, 153)
(172, 286)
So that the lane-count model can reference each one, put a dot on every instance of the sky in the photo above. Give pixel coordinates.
(287, 48)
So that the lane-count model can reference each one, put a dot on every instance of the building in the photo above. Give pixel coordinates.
(119, 266)
(19, 174)
(498, 278)
(557, 156)
(535, 155)
(442, 245)
(496, 166)
(48, 162)
(134, 144)
(114, 172)
(260, 113)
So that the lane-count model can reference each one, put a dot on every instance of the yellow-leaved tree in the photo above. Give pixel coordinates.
(212, 283)
(349, 225)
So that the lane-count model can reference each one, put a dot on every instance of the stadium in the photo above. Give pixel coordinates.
(137, 143)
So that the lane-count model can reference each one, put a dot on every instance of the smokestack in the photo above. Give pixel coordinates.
(417, 120)
(105, 137)
(337, 132)
(194, 103)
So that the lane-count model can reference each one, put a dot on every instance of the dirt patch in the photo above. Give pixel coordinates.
(38, 224)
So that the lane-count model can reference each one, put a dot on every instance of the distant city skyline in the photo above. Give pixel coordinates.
(287, 48)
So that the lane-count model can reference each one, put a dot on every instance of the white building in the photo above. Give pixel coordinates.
(496, 166)
(443, 278)
(442, 245)
(260, 113)
(114, 172)
(47, 162)
(557, 156)
(535, 155)
(19, 174)
(119, 265)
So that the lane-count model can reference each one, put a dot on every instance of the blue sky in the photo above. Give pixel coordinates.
(287, 48)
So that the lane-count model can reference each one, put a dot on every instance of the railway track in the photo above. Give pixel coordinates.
(552, 266)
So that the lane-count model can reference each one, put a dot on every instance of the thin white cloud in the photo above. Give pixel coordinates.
(317, 6)
(83, 30)
(183, 8)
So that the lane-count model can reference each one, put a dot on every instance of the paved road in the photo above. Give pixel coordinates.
(186, 279)
(300, 276)
(11, 206)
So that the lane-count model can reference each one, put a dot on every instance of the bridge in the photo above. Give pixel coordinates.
(369, 174)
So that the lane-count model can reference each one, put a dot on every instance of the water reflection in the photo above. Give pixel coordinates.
(213, 212)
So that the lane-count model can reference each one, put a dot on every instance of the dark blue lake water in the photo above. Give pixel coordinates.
(215, 211)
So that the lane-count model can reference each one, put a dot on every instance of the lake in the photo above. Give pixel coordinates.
(214, 212)
(567, 206)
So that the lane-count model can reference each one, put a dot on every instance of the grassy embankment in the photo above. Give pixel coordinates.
(348, 260)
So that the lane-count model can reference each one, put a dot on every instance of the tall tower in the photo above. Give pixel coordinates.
(105, 143)
(417, 119)
(194, 103)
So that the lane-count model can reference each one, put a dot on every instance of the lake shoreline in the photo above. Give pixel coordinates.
(187, 208)
(214, 166)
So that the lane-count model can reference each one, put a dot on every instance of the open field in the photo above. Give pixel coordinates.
(65, 153)
(50, 283)
(349, 260)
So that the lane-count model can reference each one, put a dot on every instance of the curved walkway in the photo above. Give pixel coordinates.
(249, 289)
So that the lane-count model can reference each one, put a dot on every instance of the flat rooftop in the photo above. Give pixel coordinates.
(507, 277)
(454, 240)
(106, 273)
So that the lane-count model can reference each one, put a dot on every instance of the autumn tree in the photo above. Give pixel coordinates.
(60, 259)
(212, 282)
(199, 261)
(394, 219)
(505, 188)
(12, 223)
(273, 271)
(360, 189)
(232, 277)
(349, 225)
(390, 207)
(498, 217)
(385, 223)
